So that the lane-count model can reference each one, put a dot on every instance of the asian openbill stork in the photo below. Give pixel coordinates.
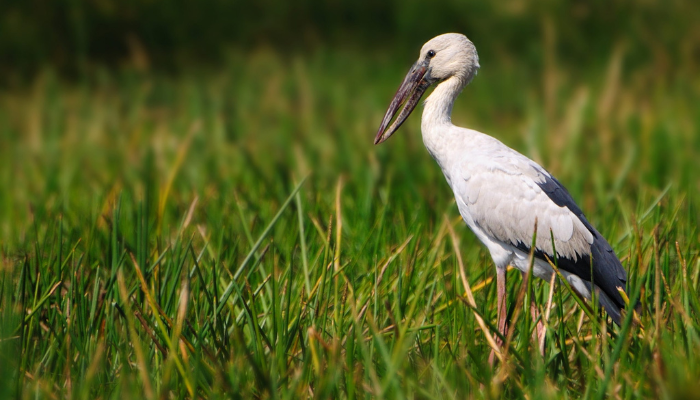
(500, 193)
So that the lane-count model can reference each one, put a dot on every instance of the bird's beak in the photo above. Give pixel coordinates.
(409, 93)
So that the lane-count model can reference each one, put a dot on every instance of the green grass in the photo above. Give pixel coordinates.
(234, 233)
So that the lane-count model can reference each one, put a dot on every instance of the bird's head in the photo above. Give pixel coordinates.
(447, 56)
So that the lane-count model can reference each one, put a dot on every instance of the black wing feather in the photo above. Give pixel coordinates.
(608, 273)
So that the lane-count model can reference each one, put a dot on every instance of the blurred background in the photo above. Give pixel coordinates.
(75, 37)
(184, 98)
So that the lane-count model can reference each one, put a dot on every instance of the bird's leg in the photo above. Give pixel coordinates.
(502, 309)
(539, 333)
(540, 330)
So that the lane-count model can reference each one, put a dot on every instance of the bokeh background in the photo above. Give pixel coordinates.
(91, 88)
(134, 126)
(77, 36)
(84, 81)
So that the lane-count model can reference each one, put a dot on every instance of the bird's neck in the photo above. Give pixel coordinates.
(437, 122)
(438, 106)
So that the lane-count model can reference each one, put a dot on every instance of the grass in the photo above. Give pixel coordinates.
(233, 233)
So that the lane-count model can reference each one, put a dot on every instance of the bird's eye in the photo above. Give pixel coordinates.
(431, 53)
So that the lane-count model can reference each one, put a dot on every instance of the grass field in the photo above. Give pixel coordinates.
(234, 233)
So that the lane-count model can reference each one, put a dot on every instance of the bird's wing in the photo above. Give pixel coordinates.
(505, 194)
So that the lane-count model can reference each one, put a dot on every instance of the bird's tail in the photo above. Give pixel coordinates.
(613, 308)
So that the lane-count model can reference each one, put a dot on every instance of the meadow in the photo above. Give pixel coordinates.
(233, 233)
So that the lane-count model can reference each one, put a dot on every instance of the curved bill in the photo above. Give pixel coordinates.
(409, 94)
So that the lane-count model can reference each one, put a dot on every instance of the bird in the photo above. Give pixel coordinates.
(500, 193)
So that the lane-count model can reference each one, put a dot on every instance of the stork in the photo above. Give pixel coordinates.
(501, 193)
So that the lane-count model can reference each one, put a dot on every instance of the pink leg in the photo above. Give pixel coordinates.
(502, 308)
(540, 331)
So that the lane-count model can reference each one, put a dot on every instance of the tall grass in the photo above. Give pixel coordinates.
(234, 233)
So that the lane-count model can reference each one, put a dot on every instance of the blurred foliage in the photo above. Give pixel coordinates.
(74, 35)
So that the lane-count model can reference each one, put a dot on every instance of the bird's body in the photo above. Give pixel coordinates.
(500, 193)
